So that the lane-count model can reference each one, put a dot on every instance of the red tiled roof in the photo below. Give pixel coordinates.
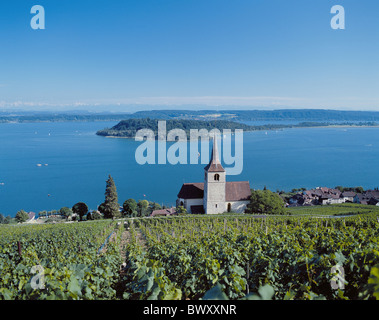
(214, 167)
(237, 191)
(348, 194)
(330, 196)
(191, 191)
(31, 215)
(165, 212)
(372, 193)
(234, 191)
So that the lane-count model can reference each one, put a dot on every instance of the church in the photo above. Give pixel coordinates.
(214, 195)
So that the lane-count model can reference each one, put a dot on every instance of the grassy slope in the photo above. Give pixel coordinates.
(335, 209)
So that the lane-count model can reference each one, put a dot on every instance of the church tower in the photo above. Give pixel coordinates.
(214, 184)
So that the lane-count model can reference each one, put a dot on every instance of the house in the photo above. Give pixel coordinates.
(368, 197)
(361, 198)
(372, 194)
(32, 217)
(305, 198)
(324, 196)
(374, 201)
(330, 198)
(214, 195)
(164, 212)
(348, 196)
(321, 196)
(373, 197)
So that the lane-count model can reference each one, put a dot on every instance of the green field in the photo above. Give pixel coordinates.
(334, 210)
(193, 257)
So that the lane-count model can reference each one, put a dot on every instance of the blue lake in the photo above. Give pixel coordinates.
(78, 164)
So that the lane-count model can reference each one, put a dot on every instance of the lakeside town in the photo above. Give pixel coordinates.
(326, 196)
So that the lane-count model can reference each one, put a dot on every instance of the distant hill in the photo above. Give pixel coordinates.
(262, 115)
(300, 115)
(61, 117)
(128, 128)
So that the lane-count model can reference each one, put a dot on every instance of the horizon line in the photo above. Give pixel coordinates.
(190, 107)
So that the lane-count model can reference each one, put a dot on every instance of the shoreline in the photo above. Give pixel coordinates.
(272, 129)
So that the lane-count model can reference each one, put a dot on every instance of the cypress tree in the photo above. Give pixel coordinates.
(111, 206)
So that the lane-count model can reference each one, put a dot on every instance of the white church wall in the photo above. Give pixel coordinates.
(214, 207)
(191, 202)
(238, 206)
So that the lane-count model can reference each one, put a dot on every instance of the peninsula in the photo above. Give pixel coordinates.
(128, 128)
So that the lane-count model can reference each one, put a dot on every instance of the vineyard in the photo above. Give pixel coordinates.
(194, 257)
(73, 267)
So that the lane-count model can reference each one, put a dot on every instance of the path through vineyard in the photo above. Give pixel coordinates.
(126, 238)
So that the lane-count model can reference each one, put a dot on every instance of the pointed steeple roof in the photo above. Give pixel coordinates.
(214, 164)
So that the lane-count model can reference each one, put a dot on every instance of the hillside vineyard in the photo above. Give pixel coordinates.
(185, 257)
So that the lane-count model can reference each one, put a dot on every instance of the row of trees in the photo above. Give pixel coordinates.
(5, 219)
(110, 208)
(21, 216)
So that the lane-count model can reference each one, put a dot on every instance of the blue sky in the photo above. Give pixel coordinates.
(260, 54)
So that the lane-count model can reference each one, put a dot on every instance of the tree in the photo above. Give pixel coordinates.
(359, 190)
(340, 188)
(142, 207)
(66, 212)
(130, 207)
(96, 215)
(5, 220)
(266, 202)
(152, 207)
(81, 209)
(42, 214)
(111, 206)
(181, 210)
(22, 216)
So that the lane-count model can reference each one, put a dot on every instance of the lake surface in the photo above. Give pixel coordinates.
(78, 164)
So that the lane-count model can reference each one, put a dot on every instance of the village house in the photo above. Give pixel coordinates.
(164, 212)
(31, 217)
(318, 196)
(348, 196)
(330, 196)
(325, 196)
(369, 197)
(214, 195)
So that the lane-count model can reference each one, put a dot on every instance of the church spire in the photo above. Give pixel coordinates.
(214, 164)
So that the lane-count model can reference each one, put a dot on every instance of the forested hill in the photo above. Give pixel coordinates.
(299, 115)
(262, 115)
(128, 128)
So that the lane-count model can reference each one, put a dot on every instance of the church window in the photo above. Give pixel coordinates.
(217, 177)
(229, 207)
